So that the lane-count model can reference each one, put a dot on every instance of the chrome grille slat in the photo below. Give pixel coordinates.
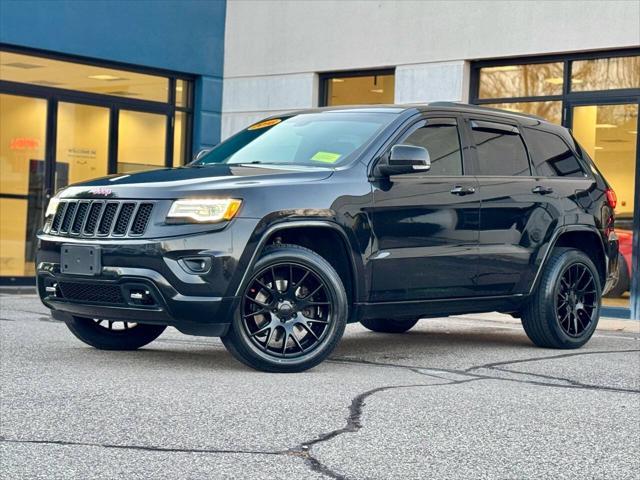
(95, 212)
(57, 218)
(80, 218)
(69, 214)
(101, 218)
(141, 219)
(121, 225)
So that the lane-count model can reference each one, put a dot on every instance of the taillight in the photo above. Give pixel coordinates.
(612, 199)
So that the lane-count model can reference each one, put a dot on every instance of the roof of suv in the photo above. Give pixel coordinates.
(421, 107)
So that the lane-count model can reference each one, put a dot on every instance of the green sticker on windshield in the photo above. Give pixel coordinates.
(326, 157)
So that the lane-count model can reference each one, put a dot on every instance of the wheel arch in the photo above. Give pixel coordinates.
(311, 234)
(581, 237)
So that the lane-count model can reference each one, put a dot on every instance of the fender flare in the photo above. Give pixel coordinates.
(357, 275)
(554, 240)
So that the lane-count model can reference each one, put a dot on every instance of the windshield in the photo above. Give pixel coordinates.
(321, 139)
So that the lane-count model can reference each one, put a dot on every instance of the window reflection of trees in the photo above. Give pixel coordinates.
(521, 80)
(605, 74)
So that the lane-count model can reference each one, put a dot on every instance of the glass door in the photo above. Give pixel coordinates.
(82, 143)
(609, 133)
(23, 199)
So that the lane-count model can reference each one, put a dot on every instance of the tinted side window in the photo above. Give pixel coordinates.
(551, 156)
(443, 144)
(500, 149)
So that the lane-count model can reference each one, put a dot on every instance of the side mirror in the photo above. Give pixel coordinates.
(406, 159)
(201, 154)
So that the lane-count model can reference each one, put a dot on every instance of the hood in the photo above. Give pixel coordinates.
(180, 182)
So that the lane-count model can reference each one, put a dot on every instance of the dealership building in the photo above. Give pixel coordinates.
(95, 87)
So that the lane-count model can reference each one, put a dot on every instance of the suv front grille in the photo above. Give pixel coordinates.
(101, 218)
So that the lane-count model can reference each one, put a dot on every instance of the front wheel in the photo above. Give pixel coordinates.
(565, 308)
(113, 335)
(292, 313)
(383, 325)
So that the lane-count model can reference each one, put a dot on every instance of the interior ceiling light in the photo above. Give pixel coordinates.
(47, 83)
(598, 148)
(337, 80)
(554, 80)
(108, 78)
(606, 125)
(122, 93)
(25, 66)
(576, 81)
(377, 90)
(633, 132)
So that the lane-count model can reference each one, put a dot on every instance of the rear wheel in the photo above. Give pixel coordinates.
(113, 335)
(384, 325)
(565, 309)
(292, 313)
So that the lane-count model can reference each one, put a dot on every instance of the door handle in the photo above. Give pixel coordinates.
(460, 190)
(542, 190)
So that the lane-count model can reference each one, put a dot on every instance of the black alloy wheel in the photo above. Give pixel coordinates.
(292, 313)
(564, 309)
(576, 299)
(286, 310)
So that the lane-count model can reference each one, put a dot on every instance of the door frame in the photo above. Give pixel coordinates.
(634, 292)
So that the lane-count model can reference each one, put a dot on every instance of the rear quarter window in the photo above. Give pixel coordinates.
(551, 156)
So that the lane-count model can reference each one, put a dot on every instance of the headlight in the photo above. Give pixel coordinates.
(52, 208)
(205, 210)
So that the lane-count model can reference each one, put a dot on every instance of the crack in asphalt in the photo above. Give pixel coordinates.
(496, 366)
(148, 448)
(356, 407)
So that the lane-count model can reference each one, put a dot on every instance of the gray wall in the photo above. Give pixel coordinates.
(272, 65)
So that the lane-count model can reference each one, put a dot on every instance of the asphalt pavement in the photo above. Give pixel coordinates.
(457, 398)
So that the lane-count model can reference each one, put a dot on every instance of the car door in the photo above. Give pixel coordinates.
(425, 223)
(515, 209)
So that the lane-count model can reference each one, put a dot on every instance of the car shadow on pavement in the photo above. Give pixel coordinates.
(202, 353)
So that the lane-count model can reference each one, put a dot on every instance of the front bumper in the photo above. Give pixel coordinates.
(194, 303)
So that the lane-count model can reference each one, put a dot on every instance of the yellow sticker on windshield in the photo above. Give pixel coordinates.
(265, 124)
(326, 157)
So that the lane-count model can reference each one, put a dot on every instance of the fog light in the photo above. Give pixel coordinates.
(140, 295)
(52, 289)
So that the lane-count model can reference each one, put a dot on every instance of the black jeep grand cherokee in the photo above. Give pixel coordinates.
(301, 223)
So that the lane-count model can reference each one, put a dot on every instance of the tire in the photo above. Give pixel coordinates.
(623, 283)
(105, 335)
(292, 314)
(383, 325)
(565, 308)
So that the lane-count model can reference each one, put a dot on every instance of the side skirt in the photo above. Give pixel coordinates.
(438, 308)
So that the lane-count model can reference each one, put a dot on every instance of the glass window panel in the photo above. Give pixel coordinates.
(500, 153)
(521, 80)
(141, 141)
(551, 156)
(47, 72)
(443, 144)
(22, 201)
(82, 147)
(360, 90)
(605, 74)
(609, 134)
(179, 140)
(182, 93)
(550, 111)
